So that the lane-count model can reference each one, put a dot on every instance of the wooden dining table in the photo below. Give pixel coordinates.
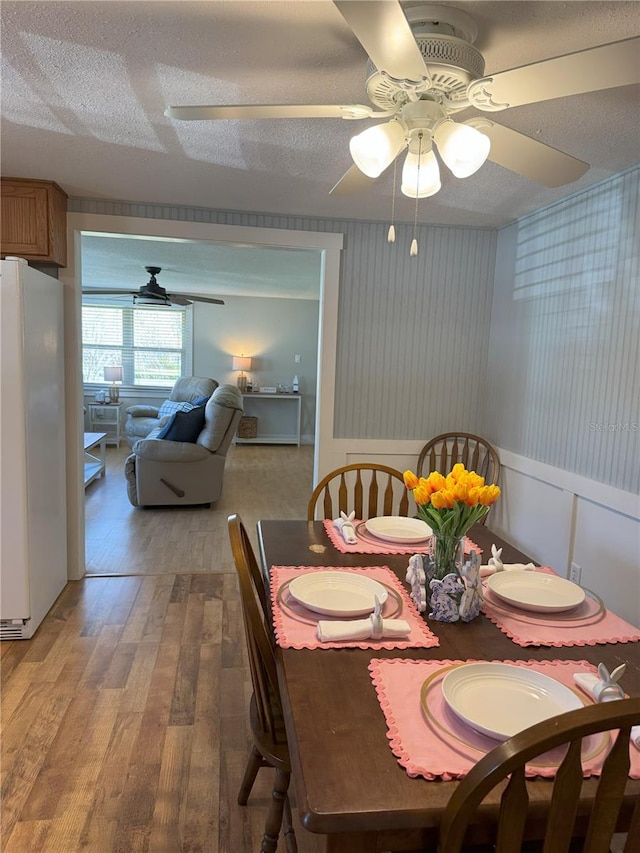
(348, 784)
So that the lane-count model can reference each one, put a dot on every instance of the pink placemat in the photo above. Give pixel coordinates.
(295, 626)
(587, 625)
(429, 740)
(369, 546)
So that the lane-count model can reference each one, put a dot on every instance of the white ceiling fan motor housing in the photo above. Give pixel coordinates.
(445, 38)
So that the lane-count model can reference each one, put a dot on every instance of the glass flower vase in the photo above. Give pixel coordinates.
(446, 555)
(444, 579)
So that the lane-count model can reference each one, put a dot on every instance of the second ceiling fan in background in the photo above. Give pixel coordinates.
(152, 294)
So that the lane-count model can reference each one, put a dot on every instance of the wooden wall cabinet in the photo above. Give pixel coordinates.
(34, 220)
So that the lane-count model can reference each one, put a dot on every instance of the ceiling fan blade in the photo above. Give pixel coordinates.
(255, 111)
(108, 291)
(176, 299)
(353, 181)
(529, 157)
(194, 297)
(383, 31)
(603, 67)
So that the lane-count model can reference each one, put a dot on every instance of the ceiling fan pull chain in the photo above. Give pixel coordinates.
(413, 251)
(391, 235)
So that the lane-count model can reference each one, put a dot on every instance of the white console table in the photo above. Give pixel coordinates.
(276, 413)
(107, 417)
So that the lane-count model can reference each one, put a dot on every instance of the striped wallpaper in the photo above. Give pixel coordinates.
(564, 360)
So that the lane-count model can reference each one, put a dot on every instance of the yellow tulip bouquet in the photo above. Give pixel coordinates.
(450, 506)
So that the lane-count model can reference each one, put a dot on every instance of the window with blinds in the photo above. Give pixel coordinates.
(153, 345)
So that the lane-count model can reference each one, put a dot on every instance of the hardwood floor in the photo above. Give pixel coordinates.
(124, 719)
(260, 481)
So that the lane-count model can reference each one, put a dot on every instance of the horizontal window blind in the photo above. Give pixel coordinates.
(152, 345)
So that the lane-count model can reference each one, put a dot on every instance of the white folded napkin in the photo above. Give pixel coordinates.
(346, 527)
(605, 689)
(361, 629)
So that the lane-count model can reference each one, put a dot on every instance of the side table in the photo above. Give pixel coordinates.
(107, 417)
(278, 416)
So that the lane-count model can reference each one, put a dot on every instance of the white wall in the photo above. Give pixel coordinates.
(272, 332)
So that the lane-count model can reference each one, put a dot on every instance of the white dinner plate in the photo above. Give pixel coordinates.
(398, 528)
(536, 591)
(337, 593)
(501, 700)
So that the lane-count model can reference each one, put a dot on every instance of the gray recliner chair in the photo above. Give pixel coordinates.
(142, 420)
(162, 472)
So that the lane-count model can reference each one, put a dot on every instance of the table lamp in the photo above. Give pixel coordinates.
(113, 374)
(242, 363)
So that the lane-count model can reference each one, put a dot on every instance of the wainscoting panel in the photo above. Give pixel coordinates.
(607, 547)
(536, 517)
(561, 519)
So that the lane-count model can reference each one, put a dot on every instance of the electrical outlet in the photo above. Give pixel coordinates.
(575, 573)
(296, 359)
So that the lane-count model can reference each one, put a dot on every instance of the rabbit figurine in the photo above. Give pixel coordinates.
(444, 606)
(471, 601)
(416, 578)
(495, 559)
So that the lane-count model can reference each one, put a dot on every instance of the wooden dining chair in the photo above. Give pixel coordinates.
(444, 451)
(367, 488)
(595, 827)
(265, 710)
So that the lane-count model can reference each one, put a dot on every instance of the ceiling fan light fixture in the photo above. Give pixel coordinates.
(462, 151)
(154, 301)
(424, 182)
(376, 147)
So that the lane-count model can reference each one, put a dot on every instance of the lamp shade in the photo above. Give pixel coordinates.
(113, 374)
(424, 183)
(241, 362)
(464, 149)
(376, 147)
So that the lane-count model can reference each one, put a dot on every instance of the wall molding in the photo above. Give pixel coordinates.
(610, 497)
(404, 454)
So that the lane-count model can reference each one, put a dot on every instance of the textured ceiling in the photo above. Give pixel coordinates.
(85, 85)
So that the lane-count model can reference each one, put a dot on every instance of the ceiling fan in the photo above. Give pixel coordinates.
(423, 68)
(152, 294)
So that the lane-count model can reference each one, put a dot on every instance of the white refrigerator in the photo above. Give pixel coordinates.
(33, 547)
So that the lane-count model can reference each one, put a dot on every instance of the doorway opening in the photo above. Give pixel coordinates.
(328, 245)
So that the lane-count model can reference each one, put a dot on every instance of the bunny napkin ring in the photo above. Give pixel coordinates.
(346, 527)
